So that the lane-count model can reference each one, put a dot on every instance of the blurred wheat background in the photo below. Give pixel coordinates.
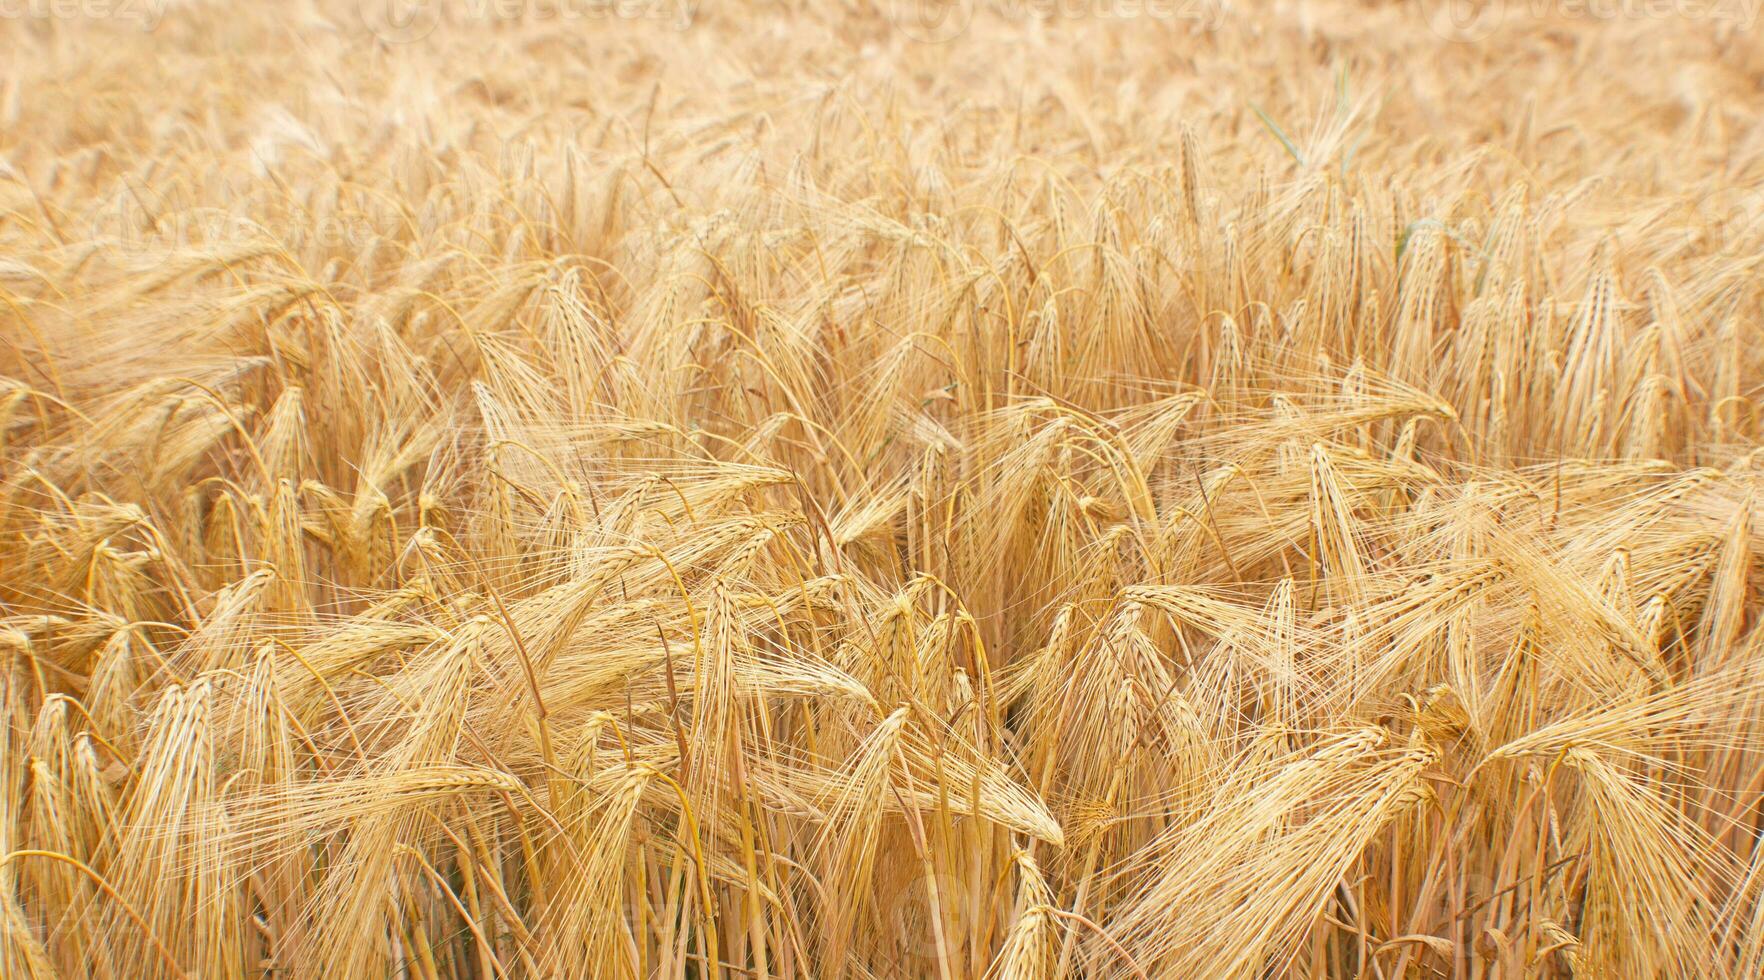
(752, 488)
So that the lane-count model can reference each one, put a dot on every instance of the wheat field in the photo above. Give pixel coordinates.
(881, 488)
